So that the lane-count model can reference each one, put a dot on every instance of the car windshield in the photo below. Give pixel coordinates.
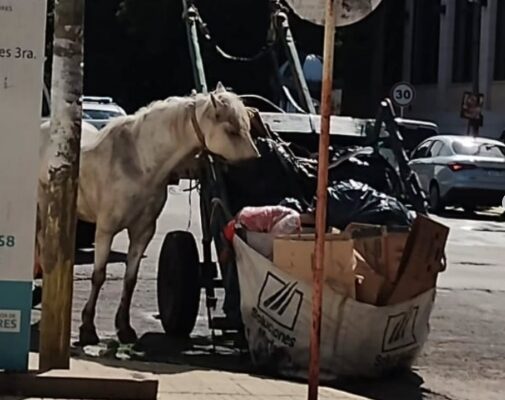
(483, 149)
(100, 114)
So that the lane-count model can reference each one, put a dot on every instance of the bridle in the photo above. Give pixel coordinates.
(197, 128)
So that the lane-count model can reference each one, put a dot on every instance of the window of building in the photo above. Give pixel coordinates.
(425, 41)
(499, 63)
(463, 32)
(393, 42)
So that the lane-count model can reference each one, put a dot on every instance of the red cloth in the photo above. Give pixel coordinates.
(268, 219)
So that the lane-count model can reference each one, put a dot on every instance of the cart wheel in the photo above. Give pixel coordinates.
(178, 283)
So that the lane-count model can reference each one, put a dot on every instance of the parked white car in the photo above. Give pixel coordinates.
(461, 171)
(97, 110)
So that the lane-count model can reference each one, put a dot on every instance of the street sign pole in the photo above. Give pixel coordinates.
(332, 7)
(22, 27)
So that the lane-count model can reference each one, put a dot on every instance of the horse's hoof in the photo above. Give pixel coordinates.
(88, 336)
(127, 336)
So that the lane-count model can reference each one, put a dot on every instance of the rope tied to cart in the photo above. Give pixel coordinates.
(193, 14)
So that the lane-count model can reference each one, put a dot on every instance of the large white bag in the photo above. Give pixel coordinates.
(357, 339)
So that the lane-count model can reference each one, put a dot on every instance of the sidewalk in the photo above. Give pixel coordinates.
(183, 382)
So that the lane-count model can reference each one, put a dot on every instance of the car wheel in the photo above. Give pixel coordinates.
(436, 204)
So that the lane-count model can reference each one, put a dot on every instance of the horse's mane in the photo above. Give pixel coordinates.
(132, 121)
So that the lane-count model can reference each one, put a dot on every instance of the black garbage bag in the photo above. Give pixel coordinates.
(293, 204)
(352, 201)
(278, 174)
(372, 169)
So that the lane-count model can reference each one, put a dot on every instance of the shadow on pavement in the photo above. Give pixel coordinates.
(157, 353)
(401, 386)
(196, 352)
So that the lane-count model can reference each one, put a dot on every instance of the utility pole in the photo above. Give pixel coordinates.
(477, 18)
(63, 171)
(332, 10)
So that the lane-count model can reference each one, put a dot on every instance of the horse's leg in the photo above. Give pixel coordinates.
(140, 236)
(87, 331)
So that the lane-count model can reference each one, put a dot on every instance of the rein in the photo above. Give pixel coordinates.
(196, 127)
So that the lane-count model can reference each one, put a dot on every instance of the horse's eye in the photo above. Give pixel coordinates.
(232, 131)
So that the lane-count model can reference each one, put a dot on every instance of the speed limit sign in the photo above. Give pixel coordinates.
(403, 94)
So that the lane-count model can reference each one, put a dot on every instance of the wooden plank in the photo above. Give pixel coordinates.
(281, 123)
(311, 124)
(33, 385)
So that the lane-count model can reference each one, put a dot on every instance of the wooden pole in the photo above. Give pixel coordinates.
(322, 197)
(63, 170)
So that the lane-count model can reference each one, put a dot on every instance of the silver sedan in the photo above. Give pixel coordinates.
(461, 171)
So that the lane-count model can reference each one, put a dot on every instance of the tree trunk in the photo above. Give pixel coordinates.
(59, 237)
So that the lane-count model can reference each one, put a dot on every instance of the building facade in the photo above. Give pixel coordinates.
(429, 44)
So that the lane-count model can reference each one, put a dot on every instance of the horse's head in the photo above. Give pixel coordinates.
(226, 126)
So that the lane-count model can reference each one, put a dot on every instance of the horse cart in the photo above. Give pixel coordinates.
(224, 189)
(182, 271)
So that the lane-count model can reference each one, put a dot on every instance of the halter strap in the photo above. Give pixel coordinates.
(196, 126)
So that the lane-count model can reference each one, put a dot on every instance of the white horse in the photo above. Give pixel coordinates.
(124, 175)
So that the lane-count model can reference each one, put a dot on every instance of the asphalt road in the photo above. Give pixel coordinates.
(463, 359)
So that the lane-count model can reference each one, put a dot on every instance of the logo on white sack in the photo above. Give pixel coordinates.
(400, 330)
(281, 301)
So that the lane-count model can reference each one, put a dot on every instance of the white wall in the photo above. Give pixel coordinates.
(447, 116)
(441, 102)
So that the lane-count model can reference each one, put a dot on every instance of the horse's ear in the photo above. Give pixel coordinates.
(220, 87)
(215, 101)
(193, 92)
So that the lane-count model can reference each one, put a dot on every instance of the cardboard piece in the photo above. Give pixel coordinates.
(381, 249)
(421, 261)
(370, 263)
(293, 254)
(369, 283)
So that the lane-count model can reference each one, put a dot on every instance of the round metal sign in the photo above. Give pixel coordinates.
(350, 12)
(403, 94)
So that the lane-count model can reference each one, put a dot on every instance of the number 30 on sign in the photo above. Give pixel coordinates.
(7, 241)
(403, 94)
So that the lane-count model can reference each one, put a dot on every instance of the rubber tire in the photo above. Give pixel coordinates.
(85, 235)
(178, 284)
(436, 204)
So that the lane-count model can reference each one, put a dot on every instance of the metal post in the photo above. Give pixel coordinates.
(477, 15)
(294, 62)
(59, 239)
(322, 182)
(190, 16)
